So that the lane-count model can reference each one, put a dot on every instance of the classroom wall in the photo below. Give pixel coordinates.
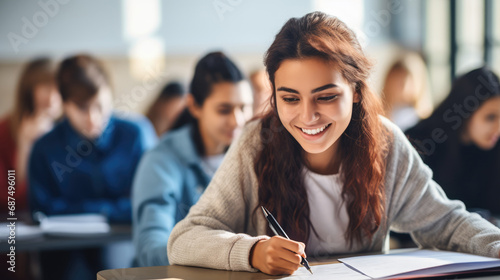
(139, 47)
(112, 27)
(145, 43)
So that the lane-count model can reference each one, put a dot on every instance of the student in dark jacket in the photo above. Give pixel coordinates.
(86, 163)
(459, 141)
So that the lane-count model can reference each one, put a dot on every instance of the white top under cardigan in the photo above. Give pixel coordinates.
(328, 215)
(220, 230)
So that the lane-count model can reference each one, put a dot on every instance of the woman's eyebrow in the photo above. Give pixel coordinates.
(287, 90)
(321, 88)
(318, 89)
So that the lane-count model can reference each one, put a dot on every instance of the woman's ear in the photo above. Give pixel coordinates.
(193, 108)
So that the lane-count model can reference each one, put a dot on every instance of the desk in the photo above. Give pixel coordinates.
(48, 242)
(187, 273)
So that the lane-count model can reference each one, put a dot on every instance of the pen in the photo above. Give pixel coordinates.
(276, 228)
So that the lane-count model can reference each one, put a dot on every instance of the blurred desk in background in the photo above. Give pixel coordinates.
(117, 233)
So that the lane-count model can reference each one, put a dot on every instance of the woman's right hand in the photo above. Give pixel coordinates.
(277, 255)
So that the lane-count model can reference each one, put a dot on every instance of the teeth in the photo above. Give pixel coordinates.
(314, 131)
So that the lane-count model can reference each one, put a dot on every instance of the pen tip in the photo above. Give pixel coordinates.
(310, 270)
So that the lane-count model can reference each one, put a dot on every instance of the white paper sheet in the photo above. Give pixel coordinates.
(378, 266)
(22, 231)
(75, 225)
(327, 271)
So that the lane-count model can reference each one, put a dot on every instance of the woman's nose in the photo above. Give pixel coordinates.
(309, 112)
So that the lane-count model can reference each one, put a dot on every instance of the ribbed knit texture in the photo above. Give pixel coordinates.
(219, 231)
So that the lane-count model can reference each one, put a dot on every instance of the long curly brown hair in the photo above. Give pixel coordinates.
(362, 146)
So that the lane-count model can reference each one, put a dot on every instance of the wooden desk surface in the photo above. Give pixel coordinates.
(184, 272)
(188, 272)
(176, 272)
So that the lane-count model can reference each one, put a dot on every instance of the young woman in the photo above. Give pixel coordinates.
(172, 176)
(37, 105)
(465, 159)
(335, 175)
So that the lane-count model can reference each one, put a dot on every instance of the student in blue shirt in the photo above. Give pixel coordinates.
(86, 163)
(172, 176)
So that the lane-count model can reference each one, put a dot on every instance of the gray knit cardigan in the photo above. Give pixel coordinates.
(218, 232)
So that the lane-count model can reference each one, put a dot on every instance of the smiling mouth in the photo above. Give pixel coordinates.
(316, 130)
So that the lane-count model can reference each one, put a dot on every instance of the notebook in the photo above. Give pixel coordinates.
(417, 264)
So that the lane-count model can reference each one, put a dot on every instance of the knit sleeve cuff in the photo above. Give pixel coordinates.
(240, 252)
(495, 250)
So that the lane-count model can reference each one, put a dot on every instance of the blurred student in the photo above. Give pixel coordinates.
(405, 95)
(165, 110)
(261, 92)
(459, 141)
(172, 176)
(37, 106)
(334, 173)
(86, 163)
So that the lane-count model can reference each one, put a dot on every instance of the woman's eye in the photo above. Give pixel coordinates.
(84, 108)
(327, 98)
(290, 99)
(224, 112)
(490, 117)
